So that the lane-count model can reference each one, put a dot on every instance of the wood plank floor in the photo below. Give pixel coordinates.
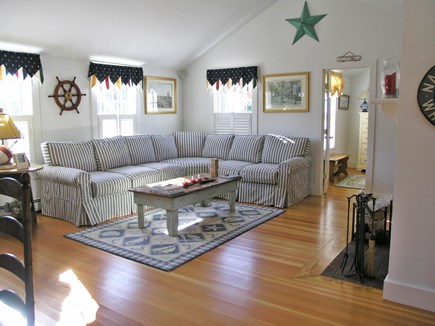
(267, 276)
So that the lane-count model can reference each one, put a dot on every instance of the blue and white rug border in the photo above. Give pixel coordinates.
(167, 266)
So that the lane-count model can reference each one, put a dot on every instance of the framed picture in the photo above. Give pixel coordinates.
(286, 92)
(160, 95)
(21, 161)
(343, 102)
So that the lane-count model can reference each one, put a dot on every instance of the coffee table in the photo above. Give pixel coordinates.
(171, 195)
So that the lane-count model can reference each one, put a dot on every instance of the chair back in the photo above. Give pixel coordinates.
(21, 230)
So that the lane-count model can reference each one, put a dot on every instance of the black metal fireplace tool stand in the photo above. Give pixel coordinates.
(359, 230)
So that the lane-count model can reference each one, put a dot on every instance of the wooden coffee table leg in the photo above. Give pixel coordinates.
(232, 201)
(140, 216)
(172, 222)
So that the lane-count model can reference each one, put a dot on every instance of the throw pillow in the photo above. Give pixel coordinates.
(246, 148)
(189, 143)
(280, 148)
(111, 153)
(164, 147)
(71, 154)
(217, 146)
(141, 149)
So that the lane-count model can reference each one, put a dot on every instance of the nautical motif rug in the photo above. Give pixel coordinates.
(200, 230)
(353, 181)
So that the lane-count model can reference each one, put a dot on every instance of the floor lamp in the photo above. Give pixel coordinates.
(8, 130)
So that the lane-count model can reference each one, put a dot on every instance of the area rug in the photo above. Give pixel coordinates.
(334, 269)
(200, 230)
(353, 181)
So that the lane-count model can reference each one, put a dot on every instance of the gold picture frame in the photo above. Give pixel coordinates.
(287, 92)
(343, 102)
(160, 95)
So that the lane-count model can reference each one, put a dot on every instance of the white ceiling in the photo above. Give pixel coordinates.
(159, 33)
(167, 34)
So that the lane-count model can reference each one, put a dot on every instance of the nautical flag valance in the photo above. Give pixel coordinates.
(116, 74)
(14, 61)
(242, 74)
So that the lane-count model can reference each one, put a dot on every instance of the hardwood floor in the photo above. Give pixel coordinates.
(267, 276)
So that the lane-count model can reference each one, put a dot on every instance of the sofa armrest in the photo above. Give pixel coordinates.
(294, 165)
(64, 175)
(293, 181)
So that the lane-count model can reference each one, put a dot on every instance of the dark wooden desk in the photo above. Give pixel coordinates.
(16, 174)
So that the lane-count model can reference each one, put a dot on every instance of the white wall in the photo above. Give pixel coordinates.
(267, 42)
(411, 277)
(73, 126)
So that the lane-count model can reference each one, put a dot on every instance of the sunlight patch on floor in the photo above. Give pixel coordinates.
(78, 308)
(10, 316)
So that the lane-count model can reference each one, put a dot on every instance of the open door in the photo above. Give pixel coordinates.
(326, 104)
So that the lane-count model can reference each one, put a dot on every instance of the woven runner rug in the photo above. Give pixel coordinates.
(200, 230)
(352, 181)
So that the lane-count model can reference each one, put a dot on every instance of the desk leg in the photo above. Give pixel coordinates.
(140, 216)
(232, 201)
(172, 222)
(331, 171)
(344, 165)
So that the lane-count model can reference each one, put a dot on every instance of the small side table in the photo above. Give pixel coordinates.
(16, 174)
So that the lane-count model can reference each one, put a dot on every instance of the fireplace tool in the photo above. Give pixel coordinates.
(346, 252)
(358, 263)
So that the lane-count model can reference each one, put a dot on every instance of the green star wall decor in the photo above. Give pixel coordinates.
(305, 24)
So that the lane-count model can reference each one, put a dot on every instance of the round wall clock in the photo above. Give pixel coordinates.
(67, 95)
(426, 95)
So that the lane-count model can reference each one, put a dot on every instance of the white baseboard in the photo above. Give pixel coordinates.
(409, 295)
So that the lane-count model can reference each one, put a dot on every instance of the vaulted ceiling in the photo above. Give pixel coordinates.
(160, 33)
(157, 33)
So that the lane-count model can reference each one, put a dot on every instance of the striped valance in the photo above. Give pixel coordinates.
(14, 61)
(116, 74)
(243, 75)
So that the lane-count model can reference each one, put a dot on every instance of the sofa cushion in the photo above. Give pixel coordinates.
(232, 167)
(107, 183)
(246, 148)
(280, 148)
(139, 175)
(189, 143)
(167, 170)
(192, 165)
(164, 147)
(141, 149)
(260, 173)
(111, 153)
(217, 146)
(71, 154)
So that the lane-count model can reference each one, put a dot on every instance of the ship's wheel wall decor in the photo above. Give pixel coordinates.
(67, 95)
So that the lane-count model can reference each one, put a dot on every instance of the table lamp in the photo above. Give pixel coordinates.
(8, 130)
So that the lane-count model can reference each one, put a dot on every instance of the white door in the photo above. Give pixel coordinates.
(326, 103)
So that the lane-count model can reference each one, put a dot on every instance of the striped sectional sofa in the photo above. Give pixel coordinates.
(87, 182)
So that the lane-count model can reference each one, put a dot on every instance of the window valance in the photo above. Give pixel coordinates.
(29, 62)
(116, 74)
(243, 74)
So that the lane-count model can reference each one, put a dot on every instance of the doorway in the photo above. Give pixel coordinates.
(346, 129)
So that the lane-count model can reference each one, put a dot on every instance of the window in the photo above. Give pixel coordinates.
(233, 109)
(116, 109)
(16, 100)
